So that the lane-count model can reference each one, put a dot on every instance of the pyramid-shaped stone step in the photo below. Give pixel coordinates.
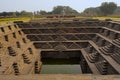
(26, 60)
(101, 42)
(107, 49)
(116, 57)
(16, 69)
(89, 49)
(93, 57)
(37, 67)
(117, 41)
(11, 51)
(102, 67)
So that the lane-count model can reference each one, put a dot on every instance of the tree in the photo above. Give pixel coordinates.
(63, 10)
(92, 11)
(117, 11)
(69, 10)
(57, 10)
(13, 14)
(42, 12)
(108, 8)
(24, 13)
(17, 13)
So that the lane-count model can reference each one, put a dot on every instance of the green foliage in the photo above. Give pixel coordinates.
(26, 14)
(25, 19)
(56, 10)
(16, 14)
(63, 10)
(42, 12)
(117, 11)
(108, 8)
(92, 11)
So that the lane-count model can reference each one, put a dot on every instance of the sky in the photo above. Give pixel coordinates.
(37, 5)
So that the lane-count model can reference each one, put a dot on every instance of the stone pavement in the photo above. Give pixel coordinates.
(60, 77)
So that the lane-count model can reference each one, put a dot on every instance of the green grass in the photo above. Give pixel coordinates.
(115, 18)
(25, 19)
(103, 18)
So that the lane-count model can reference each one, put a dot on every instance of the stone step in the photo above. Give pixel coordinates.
(101, 67)
(104, 51)
(116, 57)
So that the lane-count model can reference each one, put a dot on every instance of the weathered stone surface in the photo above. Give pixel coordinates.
(60, 77)
(21, 43)
(17, 53)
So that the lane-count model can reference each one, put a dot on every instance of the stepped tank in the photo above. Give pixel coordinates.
(60, 47)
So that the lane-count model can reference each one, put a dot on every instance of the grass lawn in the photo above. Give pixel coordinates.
(115, 18)
(25, 19)
(103, 18)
